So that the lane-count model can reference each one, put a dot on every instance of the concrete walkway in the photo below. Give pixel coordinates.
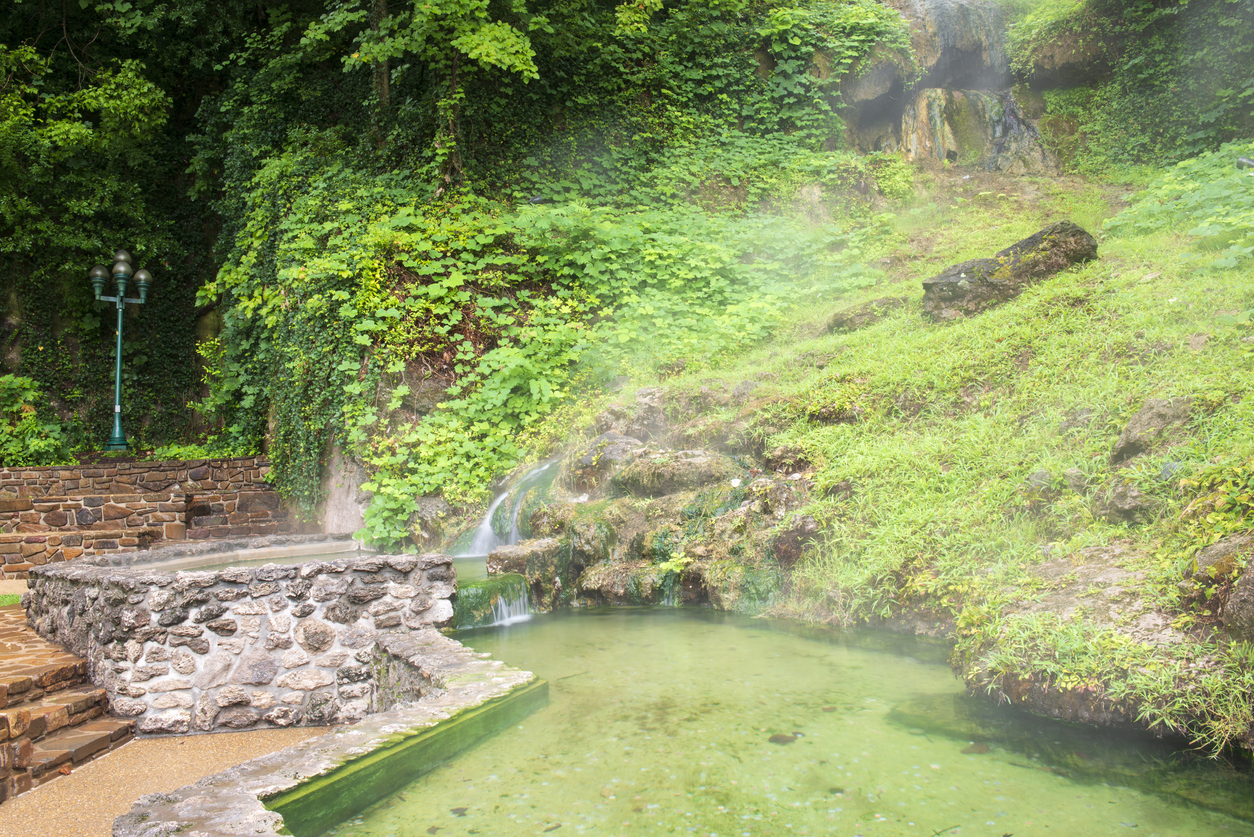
(84, 803)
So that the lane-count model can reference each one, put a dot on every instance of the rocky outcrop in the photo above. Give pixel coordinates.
(955, 105)
(516, 558)
(982, 128)
(1149, 425)
(1238, 613)
(1099, 588)
(588, 469)
(955, 43)
(959, 43)
(1069, 59)
(976, 285)
(645, 419)
(656, 473)
(427, 524)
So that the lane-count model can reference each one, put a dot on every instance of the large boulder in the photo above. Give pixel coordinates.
(1238, 613)
(976, 285)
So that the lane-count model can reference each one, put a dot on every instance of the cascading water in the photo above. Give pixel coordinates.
(508, 611)
(501, 527)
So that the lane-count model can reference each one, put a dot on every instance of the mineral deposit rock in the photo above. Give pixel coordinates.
(514, 559)
(666, 472)
(973, 286)
(588, 471)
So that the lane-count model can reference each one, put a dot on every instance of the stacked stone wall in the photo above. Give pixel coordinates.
(54, 514)
(20, 553)
(163, 513)
(276, 646)
(206, 475)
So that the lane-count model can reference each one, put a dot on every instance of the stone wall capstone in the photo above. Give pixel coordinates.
(248, 647)
(207, 475)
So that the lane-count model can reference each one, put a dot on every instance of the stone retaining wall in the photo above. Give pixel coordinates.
(131, 506)
(19, 554)
(275, 646)
(208, 476)
(161, 512)
(352, 767)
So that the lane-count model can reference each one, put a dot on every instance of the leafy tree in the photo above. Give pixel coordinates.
(449, 39)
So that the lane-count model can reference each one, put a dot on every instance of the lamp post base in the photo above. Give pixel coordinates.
(117, 439)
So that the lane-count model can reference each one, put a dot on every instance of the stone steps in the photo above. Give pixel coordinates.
(51, 718)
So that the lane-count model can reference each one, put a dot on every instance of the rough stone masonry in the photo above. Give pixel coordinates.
(248, 647)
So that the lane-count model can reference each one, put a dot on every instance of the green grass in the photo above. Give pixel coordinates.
(955, 418)
(10, 599)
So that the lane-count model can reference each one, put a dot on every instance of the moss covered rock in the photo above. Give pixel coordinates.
(658, 473)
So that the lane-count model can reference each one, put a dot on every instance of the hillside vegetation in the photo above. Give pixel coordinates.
(446, 237)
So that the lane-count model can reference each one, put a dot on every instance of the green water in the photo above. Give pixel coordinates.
(683, 721)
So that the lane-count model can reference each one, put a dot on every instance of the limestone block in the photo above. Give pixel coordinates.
(183, 661)
(283, 716)
(333, 660)
(294, 658)
(306, 679)
(238, 718)
(314, 636)
(128, 707)
(233, 696)
(173, 700)
(256, 668)
(206, 713)
(214, 671)
(170, 721)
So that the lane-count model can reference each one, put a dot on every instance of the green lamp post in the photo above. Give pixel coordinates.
(122, 275)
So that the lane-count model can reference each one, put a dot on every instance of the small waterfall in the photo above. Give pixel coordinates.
(485, 601)
(485, 538)
(492, 602)
(488, 535)
(509, 611)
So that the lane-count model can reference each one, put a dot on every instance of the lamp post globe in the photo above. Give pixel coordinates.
(122, 272)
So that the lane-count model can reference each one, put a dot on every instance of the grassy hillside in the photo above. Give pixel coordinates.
(962, 475)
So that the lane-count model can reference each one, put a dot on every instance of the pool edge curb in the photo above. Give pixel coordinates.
(232, 802)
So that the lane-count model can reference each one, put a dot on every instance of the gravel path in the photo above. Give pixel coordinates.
(84, 803)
